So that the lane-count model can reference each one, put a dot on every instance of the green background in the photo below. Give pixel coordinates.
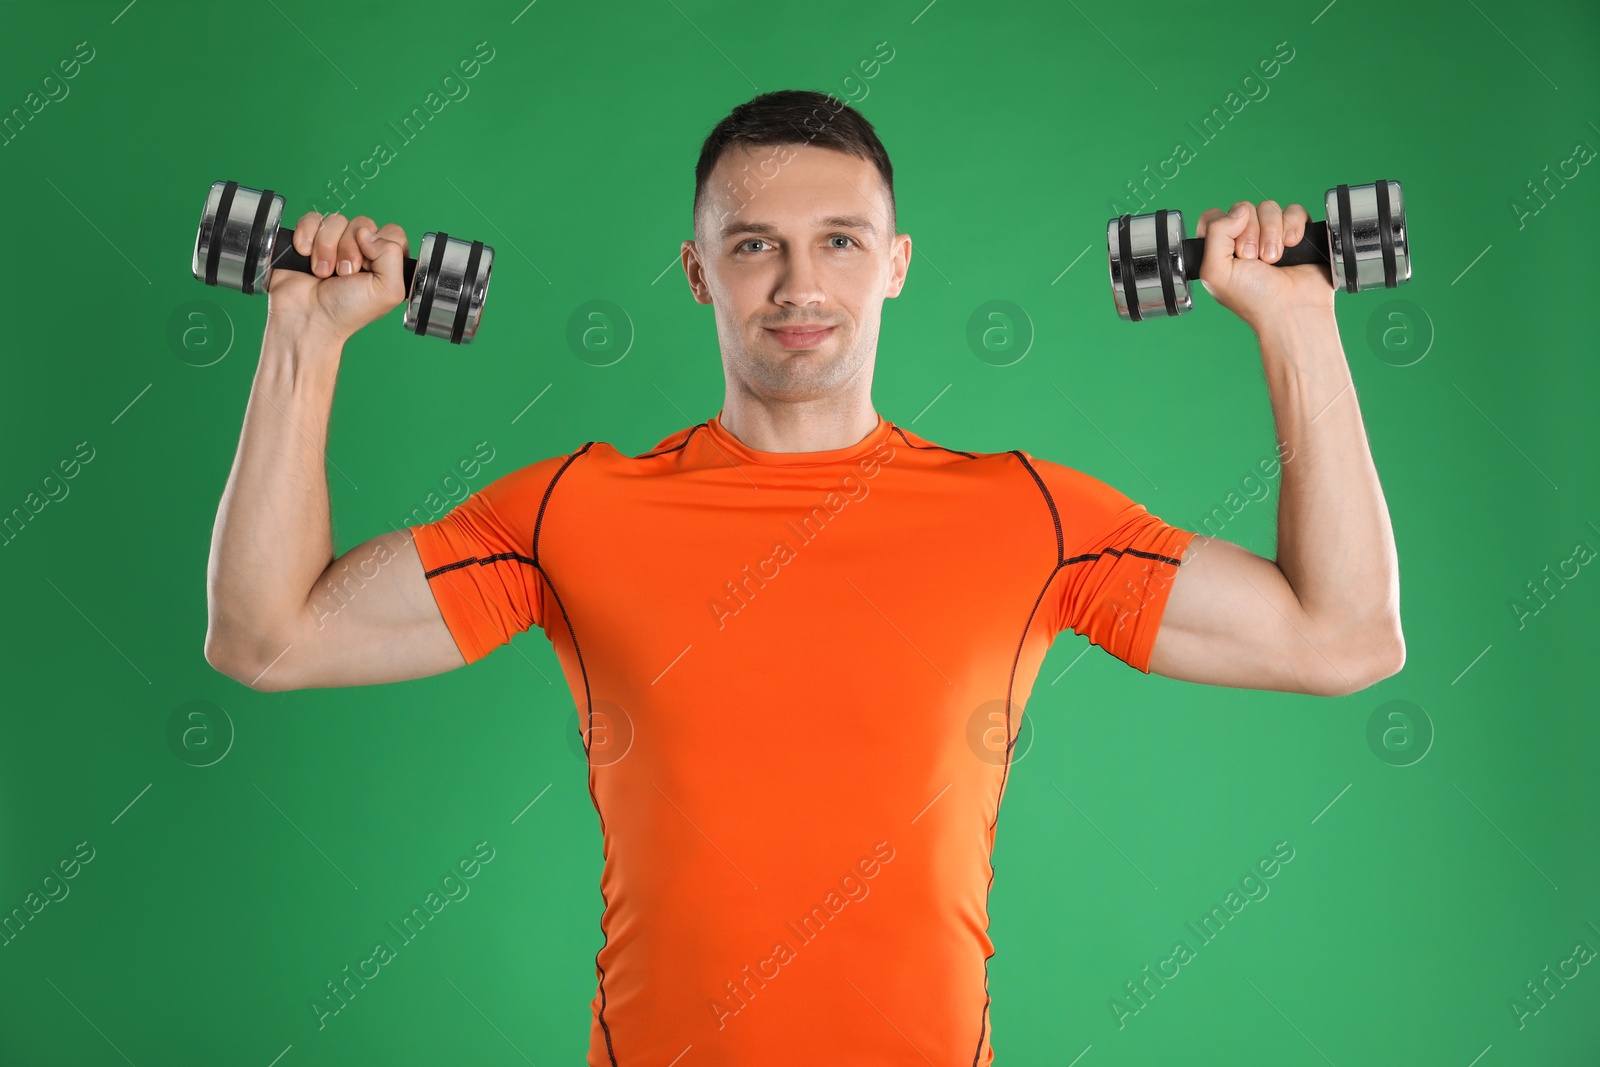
(1421, 898)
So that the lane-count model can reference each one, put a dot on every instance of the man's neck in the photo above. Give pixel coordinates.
(817, 426)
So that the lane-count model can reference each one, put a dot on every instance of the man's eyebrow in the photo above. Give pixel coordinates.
(847, 222)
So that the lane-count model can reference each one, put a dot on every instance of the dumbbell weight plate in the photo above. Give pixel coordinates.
(452, 283)
(1367, 235)
(1150, 271)
(240, 242)
(238, 226)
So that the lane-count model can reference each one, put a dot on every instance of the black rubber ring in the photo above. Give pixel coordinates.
(1164, 263)
(426, 307)
(219, 222)
(252, 248)
(1347, 239)
(1381, 187)
(469, 283)
(1130, 291)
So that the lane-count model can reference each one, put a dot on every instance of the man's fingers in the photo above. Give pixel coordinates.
(325, 245)
(351, 255)
(1265, 230)
(1245, 242)
(1270, 217)
(1295, 220)
(335, 241)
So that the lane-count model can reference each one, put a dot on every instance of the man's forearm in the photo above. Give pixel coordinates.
(1335, 542)
(273, 536)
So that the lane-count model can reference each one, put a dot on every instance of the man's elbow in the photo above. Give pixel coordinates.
(226, 657)
(1384, 659)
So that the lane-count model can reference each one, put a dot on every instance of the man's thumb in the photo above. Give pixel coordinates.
(385, 256)
(1222, 232)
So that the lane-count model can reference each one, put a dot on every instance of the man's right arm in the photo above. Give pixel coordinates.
(283, 613)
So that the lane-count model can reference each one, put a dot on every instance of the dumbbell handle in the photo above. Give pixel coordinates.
(1312, 248)
(285, 256)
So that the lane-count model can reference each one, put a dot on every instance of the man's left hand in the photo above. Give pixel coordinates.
(1237, 270)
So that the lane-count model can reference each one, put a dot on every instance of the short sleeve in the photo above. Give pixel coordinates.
(478, 559)
(1121, 562)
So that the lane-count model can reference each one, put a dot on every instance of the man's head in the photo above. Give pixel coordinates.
(794, 224)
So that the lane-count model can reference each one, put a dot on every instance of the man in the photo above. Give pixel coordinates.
(800, 637)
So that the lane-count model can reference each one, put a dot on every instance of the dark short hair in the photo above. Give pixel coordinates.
(795, 116)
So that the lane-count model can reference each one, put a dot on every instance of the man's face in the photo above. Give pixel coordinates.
(795, 238)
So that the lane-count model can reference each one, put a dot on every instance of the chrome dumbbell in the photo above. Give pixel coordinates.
(241, 242)
(1363, 244)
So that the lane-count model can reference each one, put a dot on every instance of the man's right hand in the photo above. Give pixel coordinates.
(358, 276)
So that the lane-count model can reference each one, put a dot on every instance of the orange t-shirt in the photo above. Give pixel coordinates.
(800, 675)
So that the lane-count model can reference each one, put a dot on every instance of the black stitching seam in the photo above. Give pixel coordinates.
(929, 447)
(482, 562)
(682, 444)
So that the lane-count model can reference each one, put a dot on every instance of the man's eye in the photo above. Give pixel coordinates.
(840, 236)
(751, 241)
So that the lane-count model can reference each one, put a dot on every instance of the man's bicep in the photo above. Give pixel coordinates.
(369, 619)
(374, 605)
(1232, 619)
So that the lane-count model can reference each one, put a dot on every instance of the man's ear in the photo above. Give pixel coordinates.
(897, 281)
(694, 271)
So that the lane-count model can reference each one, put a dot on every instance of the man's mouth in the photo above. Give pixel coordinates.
(801, 337)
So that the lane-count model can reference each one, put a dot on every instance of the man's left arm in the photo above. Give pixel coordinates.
(1324, 618)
